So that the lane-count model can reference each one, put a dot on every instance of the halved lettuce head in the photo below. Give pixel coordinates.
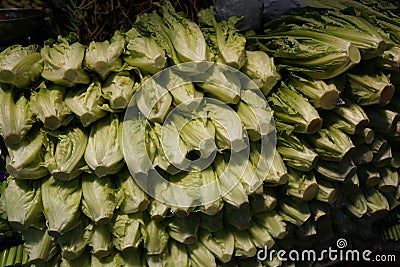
(20, 65)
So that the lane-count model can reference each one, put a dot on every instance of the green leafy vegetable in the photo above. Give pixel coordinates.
(262, 70)
(99, 198)
(65, 150)
(24, 203)
(103, 152)
(16, 118)
(49, 107)
(63, 62)
(291, 108)
(26, 160)
(104, 57)
(144, 52)
(61, 204)
(87, 103)
(20, 65)
(119, 89)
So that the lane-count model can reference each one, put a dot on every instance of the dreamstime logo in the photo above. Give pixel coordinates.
(342, 253)
(341, 243)
(210, 109)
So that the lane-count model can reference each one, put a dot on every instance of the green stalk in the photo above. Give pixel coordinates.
(239, 218)
(295, 152)
(307, 231)
(290, 107)
(272, 222)
(266, 201)
(182, 89)
(302, 185)
(134, 199)
(19, 255)
(389, 179)
(350, 185)
(218, 82)
(382, 152)
(327, 192)
(220, 243)
(260, 235)
(155, 239)
(153, 100)
(73, 243)
(244, 246)
(356, 204)
(25, 257)
(99, 198)
(316, 54)
(320, 93)
(392, 200)
(383, 121)
(99, 240)
(231, 190)
(12, 252)
(319, 210)
(366, 136)
(336, 171)
(177, 255)
(389, 60)
(4, 256)
(369, 175)
(362, 154)
(294, 211)
(376, 202)
(212, 223)
(61, 218)
(184, 229)
(126, 230)
(331, 144)
(349, 117)
(200, 256)
(395, 161)
(213, 207)
(369, 89)
(277, 174)
(158, 210)
(40, 246)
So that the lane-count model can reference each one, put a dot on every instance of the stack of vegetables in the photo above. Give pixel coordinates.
(336, 110)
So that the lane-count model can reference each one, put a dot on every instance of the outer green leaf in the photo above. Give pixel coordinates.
(126, 229)
(23, 200)
(119, 89)
(16, 118)
(40, 246)
(220, 243)
(103, 153)
(104, 57)
(87, 103)
(261, 69)
(49, 107)
(200, 255)
(64, 159)
(292, 108)
(99, 198)
(134, 199)
(144, 52)
(61, 203)
(26, 159)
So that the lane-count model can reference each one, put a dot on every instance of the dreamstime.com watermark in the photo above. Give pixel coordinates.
(340, 253)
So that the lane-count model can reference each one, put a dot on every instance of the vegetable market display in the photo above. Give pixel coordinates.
(328, 74)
